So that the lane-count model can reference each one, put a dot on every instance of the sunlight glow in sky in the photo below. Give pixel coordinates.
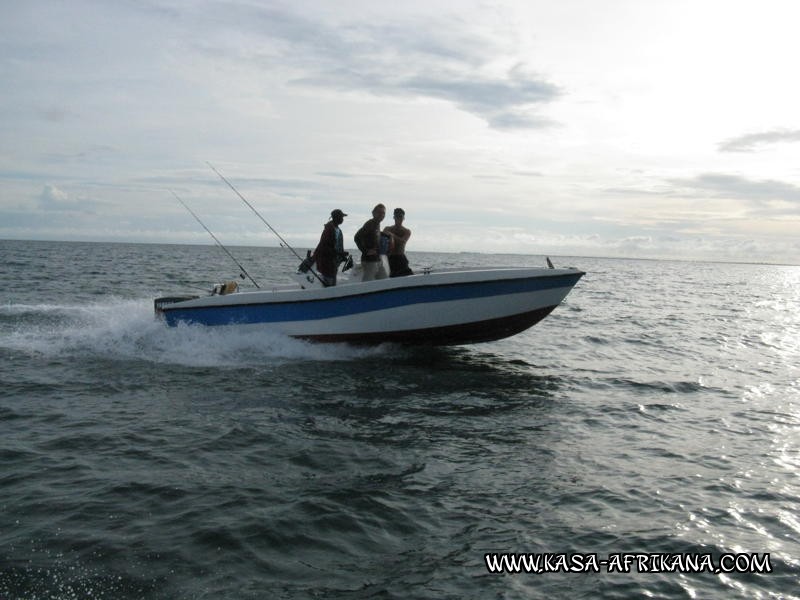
(635, 128)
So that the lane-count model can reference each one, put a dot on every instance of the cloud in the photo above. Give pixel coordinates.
(753, 141)
(435, 58)
(653, 245)
(313, 105)
(720, 185)
(54, 114)
(53, 196)
(502, 100)
(54, 199)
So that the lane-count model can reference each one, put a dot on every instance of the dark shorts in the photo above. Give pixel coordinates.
(398, 266)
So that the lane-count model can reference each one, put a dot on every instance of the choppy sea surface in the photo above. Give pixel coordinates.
(657, 410)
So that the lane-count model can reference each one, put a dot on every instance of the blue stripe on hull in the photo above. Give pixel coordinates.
(310, 310)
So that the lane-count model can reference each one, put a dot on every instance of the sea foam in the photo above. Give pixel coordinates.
(114, 328)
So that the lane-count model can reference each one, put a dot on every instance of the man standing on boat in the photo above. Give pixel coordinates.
(330, 250)
(368, 241)
(398, 263)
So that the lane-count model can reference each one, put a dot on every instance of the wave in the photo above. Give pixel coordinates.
(124, 329)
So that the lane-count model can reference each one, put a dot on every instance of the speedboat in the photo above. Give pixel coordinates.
(433, 307)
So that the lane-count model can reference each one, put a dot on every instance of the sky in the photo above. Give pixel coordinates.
(622, 128)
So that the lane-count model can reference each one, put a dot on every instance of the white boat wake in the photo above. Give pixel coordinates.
(120, 329)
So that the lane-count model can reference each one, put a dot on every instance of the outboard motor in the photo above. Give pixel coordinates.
(229, 287)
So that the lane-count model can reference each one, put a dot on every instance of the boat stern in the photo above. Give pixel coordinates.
(160, 303)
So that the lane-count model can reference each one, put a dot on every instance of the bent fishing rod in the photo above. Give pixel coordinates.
(233, 258)
(263, 220)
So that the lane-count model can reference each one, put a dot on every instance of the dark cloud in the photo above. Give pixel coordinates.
(96, 153)
(752, 141)
(238, 181)
(54, 114)
(515, 119)
(501, 101)
(633, 191)
(336, 174)
(750, 198)
(719, 185)
(434, 58)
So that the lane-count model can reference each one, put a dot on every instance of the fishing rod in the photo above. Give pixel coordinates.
(233, 258)
(263, 220)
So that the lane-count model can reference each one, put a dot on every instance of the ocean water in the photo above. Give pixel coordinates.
(657, 410)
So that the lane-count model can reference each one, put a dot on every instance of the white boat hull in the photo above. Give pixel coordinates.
(438, 308)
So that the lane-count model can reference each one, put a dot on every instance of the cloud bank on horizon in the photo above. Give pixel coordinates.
(639, 129)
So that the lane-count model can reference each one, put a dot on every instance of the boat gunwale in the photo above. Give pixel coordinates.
(272, 300)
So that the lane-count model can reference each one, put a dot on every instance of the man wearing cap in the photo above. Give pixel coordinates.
(330, 250)
(398, 263)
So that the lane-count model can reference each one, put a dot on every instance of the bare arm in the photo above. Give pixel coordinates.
(400, 238)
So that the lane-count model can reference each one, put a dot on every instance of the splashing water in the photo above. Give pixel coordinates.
(122, 329)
